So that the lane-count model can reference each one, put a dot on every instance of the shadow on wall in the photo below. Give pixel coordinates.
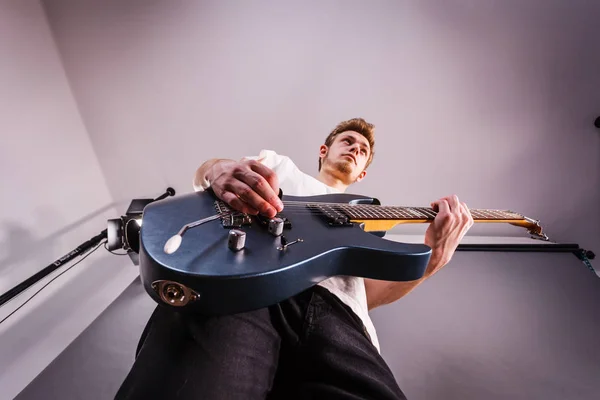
(23, 254)
(79, 287)
(96, 363)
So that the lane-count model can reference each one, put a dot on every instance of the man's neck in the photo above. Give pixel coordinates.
(331, 181)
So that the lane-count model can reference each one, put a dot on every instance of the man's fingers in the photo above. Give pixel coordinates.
(253, 200)
(249, 187)
(237, 204)
(454, 203)
(264, 182)
(267, 173)
(467, 213)
(441, 206)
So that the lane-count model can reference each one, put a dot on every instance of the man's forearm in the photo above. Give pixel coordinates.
(206, 172)
(381, 292)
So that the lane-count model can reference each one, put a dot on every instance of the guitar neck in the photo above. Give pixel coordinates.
(420, 214)
(383, 218)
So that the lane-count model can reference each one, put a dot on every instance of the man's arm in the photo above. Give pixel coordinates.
(247, 185)
(201, 177)
(381, 292)
(451, 223)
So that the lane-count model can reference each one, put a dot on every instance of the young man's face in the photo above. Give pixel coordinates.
(347, 156)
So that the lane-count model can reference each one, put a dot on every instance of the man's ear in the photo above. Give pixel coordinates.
(361, 176)
(323, 151)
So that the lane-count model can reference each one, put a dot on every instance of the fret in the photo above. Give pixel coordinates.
(374, 213)
(370, 212)
(401, 213)
(428, 212)
(387, 214)
(419, 213)
(494, 214)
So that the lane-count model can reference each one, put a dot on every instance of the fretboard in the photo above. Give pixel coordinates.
(370, 212)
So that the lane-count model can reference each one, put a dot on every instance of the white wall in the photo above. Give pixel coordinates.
(162, 86)
(53, 198)
(494, 101)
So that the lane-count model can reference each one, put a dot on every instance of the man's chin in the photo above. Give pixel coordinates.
(344, 167)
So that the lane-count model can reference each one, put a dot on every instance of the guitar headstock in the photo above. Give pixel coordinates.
(533, 227)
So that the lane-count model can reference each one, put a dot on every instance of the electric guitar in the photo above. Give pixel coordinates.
(199, 254)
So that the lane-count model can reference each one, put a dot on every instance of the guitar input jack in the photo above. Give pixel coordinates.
(173, 293)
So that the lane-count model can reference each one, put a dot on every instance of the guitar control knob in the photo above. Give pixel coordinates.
(276, 226)
(236, 240)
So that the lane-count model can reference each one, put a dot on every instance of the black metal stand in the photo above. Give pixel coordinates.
(79, 250)
(541, 247)
(546, 247)
(32, 280)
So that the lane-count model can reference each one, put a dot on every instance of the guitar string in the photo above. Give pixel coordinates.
(391, 212)
(301, 212)
(482, 214)
(374, 207)
(304, 208)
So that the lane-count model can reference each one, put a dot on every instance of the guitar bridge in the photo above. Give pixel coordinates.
(235, 220)
(231, 219)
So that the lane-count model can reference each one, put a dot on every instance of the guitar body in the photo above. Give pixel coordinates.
(205, 275)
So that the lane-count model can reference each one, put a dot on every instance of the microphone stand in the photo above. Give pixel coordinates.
(78, 251)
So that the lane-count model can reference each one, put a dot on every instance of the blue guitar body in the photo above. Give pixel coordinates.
(206, 275)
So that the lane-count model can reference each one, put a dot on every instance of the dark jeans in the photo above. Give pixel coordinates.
(311, 346)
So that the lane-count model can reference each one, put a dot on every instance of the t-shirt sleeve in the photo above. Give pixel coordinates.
(268, 158)
(291, 179)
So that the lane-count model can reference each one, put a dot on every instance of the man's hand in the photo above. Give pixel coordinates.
(444, 234)
(247, 186)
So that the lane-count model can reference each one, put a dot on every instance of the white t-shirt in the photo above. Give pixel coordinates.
(293, 182)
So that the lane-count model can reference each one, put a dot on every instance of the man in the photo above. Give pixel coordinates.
(320, 343)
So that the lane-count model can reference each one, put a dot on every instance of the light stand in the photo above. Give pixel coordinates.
(121, 233)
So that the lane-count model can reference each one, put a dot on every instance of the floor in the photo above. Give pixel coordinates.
(95, 364)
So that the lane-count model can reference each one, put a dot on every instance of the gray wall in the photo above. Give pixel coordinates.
(493, 101)
(53, 197)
